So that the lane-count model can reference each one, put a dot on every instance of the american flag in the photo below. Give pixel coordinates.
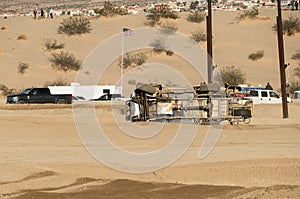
(127, 32)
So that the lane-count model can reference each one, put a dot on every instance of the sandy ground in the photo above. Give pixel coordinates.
(42, 156)
(228, 34)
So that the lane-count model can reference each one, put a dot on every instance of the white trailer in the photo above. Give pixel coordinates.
(87, 91)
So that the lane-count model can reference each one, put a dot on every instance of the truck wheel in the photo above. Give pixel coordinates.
(61, 101)
(21, 102)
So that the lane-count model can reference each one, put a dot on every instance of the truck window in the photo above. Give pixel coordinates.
(273, 94)
(264, 94)
(35, 92)
(44, 91)
(253, 93)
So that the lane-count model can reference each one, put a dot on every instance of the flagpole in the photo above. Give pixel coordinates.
(122, 64)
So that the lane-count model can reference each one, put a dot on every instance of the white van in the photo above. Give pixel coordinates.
(263, 96)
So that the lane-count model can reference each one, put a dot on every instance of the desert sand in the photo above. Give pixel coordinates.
(42, 155)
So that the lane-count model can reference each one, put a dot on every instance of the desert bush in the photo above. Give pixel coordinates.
(7, 91)
(4, 28)
(294, 86)
(22, 37)
(159, 45)
(168, 27)
(132, 82)
(199, 35)
(296, 56)
(169, 52)
(22, 67)
(197, 16)
(65, 61)
(75, 25)
(257, 55)
(58, 82)
(290, 26)
(232, 75)
(51, 44)
(297, 72)
(249, 14)
(169, 14)
(131, 58)
(109, 10)
(169, 83)
(153, 17)
(140, 58)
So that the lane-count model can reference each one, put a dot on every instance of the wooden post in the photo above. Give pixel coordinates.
(209, 42)
(281, 62)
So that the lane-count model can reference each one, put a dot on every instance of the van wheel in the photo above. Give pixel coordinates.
(61, 101)
(21, 102)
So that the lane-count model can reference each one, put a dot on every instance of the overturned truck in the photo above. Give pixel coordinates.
(201, 104)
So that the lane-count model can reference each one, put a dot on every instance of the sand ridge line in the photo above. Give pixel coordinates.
(125, 188)
(38, 175)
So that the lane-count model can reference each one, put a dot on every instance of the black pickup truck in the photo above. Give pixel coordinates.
(38, 96)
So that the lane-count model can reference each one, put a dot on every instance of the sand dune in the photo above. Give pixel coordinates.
(233, 42)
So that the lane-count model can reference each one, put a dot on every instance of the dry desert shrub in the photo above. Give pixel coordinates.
(109, 10)
(58, 82)
(170, 83)
(296, 56)
(168, 27)
(232, 75)
(159, 45)
(22, 37)
(131, 58)
(199, 35)
(75, 26)
(52, 44)
(132, 82)
(290, 26)
(169, 14)
(297, 72)
(248, 14)
(22, 67)
(4, 28)
(197, 16)
(257, 55)
(65, 61)
(153, 17)
(7, 91)
(169, 52)
(294, 86)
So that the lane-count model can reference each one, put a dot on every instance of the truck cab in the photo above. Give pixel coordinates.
(263, 96)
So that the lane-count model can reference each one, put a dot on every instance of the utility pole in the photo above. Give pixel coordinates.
(282, 65)
(209, 42)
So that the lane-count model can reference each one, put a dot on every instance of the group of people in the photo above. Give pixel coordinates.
(295, 4)
(42, 14)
